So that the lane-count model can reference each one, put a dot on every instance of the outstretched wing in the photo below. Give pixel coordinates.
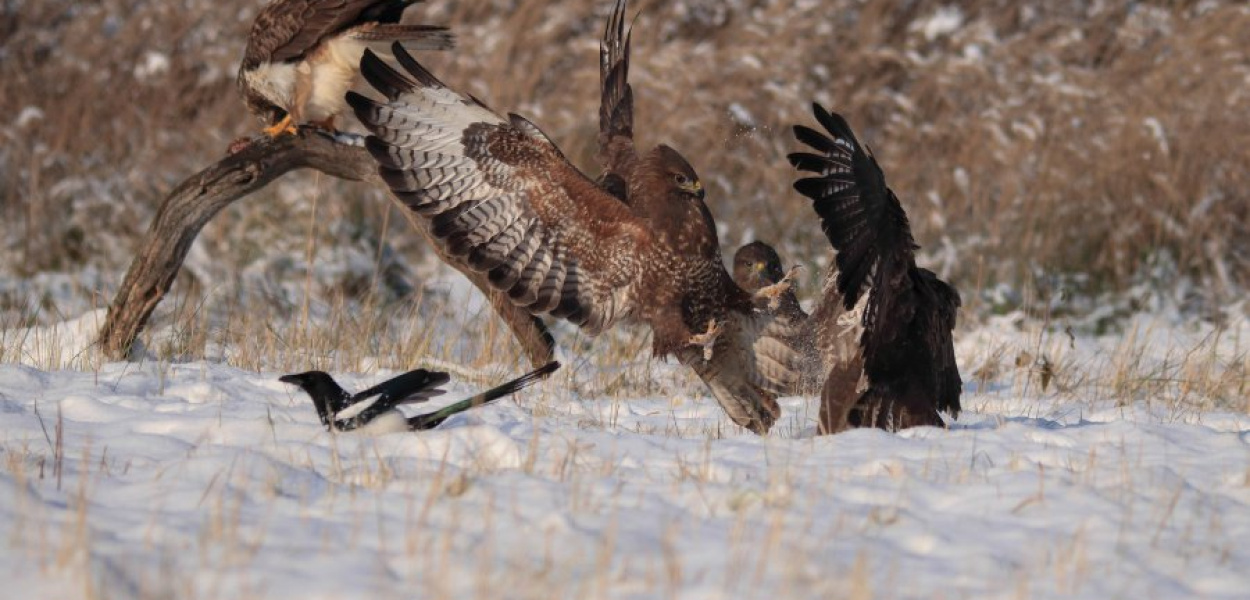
(502, 198)
(616, 106)
(908, 316)
(287, 30)
(865, 223)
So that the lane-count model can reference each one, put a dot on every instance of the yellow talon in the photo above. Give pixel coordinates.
(281, 127)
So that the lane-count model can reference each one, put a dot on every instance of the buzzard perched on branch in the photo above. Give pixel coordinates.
(504, 200)
(302, 55)
(904, 372)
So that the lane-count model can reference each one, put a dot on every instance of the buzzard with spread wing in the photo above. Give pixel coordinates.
(302, 55)
(503, 199)
(768, 360)
(904, 372)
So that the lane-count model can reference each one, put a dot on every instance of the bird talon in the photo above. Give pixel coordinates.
(773, 293)
(707, 339)
(281, 127)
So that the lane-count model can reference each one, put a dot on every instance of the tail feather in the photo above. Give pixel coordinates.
(434, 419)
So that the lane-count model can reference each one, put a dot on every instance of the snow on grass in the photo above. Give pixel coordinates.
(201, 480)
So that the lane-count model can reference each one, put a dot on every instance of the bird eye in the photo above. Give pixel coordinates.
(680, 179)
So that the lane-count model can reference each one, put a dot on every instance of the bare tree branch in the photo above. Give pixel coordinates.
(197, 200)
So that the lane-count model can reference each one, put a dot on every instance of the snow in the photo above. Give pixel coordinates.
(945, 21)
(29, 115)
(154, 64)
(199, 479)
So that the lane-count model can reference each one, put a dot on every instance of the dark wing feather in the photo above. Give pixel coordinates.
(413, 386)
(501, 197)
(906, 344)
(863, 220)
(860, 215)
(616, 154)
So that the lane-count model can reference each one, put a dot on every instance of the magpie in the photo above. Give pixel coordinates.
(375, 409)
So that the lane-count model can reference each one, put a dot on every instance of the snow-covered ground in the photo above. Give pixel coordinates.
(1128, 476)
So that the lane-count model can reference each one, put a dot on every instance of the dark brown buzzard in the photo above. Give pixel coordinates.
(905, 371)
(302, 55)
(503, 200)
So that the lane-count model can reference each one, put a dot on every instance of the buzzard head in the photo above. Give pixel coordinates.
(685, 182)
(757, 265)
(264, 108)
(673, 197)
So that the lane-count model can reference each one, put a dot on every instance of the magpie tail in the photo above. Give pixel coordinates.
(434, 419)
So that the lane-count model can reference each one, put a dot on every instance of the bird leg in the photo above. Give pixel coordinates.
(707, 339)
(286, 125)
(772, 293)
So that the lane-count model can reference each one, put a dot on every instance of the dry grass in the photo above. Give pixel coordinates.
(1089, 147)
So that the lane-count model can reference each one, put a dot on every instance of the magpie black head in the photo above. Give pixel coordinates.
(312, 380)
(327, 396)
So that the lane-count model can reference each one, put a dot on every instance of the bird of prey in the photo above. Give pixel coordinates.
(303, 55)
(812, 345)
(375, 410)
(502, 199)
(904, 371)
(624, 175)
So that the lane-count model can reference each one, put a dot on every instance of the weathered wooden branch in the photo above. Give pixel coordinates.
(198, 199)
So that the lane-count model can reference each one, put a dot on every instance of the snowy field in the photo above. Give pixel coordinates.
(1084, 160)
(1127, 476)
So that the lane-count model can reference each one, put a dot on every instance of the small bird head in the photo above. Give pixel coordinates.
(310, 380)
(757, 265)
(327, 396)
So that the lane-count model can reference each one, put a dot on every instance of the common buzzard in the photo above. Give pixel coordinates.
(624, 174)
(302, 55)
(502, 199)
(904, 372)
(813, 344)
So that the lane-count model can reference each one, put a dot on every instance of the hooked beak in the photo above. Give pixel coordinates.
(694, 188)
